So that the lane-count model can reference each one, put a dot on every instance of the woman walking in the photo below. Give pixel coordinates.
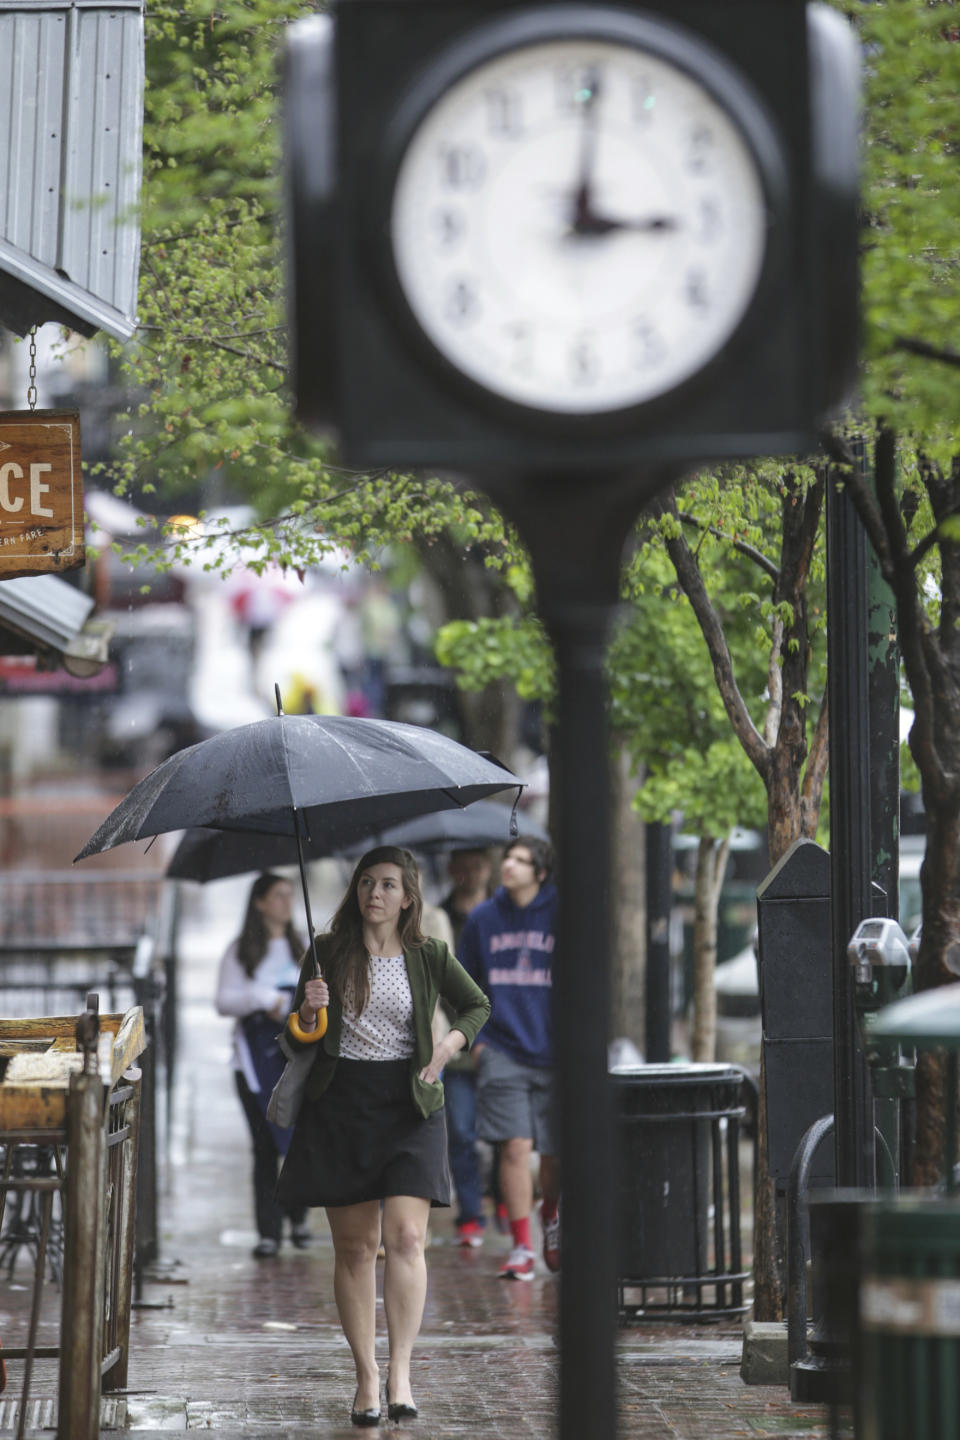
(258, 975)
(371, 1130)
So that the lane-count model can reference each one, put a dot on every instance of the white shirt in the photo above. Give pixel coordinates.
(241, 994)
(384, 1031)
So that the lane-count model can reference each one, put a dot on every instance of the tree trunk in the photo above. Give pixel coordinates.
(711, 864)
(940, 882)
(792, 777)
(931, 659)
(629, 901)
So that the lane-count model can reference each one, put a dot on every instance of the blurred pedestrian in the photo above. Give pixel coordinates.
(371, 1128)
(470, 873)
(258, 975)
(507, 946)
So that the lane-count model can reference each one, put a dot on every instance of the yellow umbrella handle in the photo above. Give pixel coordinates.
(308, 1037)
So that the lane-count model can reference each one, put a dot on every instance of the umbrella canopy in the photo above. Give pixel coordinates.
(204, 855)
(928, 1018)
(343, 778)
(483, 824)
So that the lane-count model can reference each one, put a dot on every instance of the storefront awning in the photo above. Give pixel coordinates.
(71, 77)
(44, 616)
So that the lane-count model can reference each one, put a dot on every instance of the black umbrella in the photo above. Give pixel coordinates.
(204, 855)
(318, 779)
(326, 779)
(480, 825)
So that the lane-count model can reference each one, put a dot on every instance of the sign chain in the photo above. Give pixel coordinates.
(32, 374)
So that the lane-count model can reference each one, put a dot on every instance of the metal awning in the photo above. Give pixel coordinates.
(43, 615)
(71, 78)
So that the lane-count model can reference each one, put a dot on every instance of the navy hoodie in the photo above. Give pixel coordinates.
(508, 949)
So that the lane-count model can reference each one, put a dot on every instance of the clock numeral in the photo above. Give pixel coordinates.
(504, 114)
(520, 336)
(647, 344)
(449, 226)
(462, 304)
(462, 167)
(576, 86)
(710, 222)
(701, 154)
(584, 362)
(695, 290)
(643, 102)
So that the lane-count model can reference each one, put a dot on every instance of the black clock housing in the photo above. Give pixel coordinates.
(354, 84)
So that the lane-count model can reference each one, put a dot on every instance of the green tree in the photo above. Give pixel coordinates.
(911, 422)
(665, 705)
(908, 411)
(211, 405)
(210, 420)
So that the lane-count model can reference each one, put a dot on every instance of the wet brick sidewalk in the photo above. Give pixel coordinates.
(226, 1343)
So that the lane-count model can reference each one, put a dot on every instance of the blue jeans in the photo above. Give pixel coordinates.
(460, 1090)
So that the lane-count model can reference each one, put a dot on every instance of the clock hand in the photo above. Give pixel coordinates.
(585, 221)
(587, 99)
(589, 223)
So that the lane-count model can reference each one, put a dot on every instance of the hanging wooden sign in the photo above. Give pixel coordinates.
(41, 492)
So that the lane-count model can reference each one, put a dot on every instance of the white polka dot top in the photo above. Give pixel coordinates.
(385, 1029)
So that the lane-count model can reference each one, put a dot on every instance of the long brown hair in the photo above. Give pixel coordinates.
(253, 941)
(348, 964)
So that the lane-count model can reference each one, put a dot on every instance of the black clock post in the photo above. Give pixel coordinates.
(575, 530)
(464, 178)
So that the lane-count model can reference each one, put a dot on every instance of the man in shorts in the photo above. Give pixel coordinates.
(507, 946)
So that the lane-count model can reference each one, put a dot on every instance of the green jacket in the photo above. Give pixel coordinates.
(433, 972)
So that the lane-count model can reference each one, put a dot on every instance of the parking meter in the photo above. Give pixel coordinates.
(880, 959)
(879, 955)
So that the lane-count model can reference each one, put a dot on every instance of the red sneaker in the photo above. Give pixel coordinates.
(551, 1239)
(519, 1265)
(470, 1235)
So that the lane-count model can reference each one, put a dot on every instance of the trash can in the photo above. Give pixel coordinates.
(907, 1351)
(679, 1243)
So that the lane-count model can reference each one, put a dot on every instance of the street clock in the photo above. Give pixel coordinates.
(579, 222)
(549, 236)
(567, 251)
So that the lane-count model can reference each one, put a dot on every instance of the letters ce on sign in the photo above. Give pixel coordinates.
(41, 492)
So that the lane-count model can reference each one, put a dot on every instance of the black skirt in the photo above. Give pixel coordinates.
(364, 1140)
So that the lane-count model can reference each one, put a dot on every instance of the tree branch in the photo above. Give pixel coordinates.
(930, 539)
(750, 551)
(918, 647)
(927, 351)
(691, 582)
(815, 772)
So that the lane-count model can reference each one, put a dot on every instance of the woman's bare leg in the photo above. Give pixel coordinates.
(404, 1285)
(356, 1236)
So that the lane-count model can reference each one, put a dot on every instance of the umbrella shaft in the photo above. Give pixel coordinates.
(306, 891)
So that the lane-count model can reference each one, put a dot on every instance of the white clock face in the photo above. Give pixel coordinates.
(578, 225)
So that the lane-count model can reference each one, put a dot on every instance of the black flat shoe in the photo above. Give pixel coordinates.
(364, 1417)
